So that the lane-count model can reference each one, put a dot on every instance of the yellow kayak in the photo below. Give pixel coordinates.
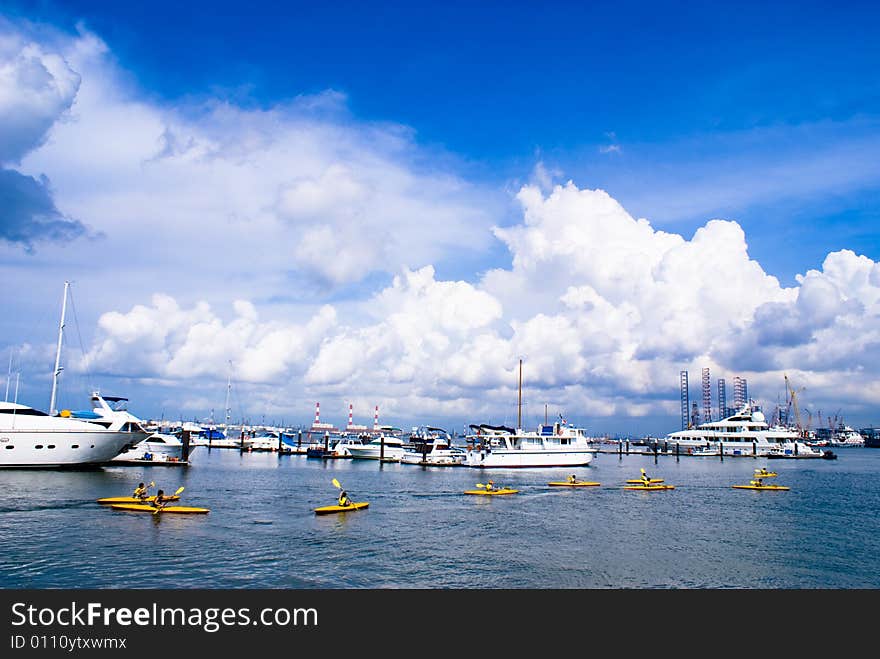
(639, 480)
(649, 488)
(144, 508)
(767, 474)
(491, 492)
(761, 487)
(109, 500)
(575, 484)
(327, 510)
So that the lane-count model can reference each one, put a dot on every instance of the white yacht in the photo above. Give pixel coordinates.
(846, 436)
(745, 433)
(31, 438)
(387, 447)
(556, 445)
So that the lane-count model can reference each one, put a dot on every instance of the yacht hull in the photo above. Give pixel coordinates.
(519, 458)
(62, 448)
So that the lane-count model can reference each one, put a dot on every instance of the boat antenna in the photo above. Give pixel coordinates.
(519, 400)
(58, 367)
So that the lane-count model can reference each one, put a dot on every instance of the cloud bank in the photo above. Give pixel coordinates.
(298, 249)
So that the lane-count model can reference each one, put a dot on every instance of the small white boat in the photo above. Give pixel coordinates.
(435, 451)
(158, 448)
(271, 441)
(384, 447)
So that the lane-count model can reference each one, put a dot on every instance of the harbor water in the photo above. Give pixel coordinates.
(422, 532)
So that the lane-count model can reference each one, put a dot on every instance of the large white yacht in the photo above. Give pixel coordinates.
(31, 438)
(556, 445)
(745, 433)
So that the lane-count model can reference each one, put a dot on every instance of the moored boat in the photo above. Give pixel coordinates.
(745, 433)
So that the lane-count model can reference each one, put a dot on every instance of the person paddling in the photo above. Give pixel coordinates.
(161, 500)
(140, 492)
(343, 499)
(572, 479)
(645, 479)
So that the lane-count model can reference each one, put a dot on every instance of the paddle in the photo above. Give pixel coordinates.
(336, 483)
(160, 506)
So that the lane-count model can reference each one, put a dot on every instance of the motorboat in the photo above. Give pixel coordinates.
(381, 447)
(846, 437)
(551, 445)
(272, 441)
(434, 447)
(158, 448)
(745, 433)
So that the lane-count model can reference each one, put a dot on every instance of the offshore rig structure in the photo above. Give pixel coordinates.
(691, 416)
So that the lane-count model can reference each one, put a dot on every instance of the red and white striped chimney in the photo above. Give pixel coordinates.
(376, 419)
(350, 415)
(317, 413)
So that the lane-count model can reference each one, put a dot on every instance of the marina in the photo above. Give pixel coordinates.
(421, 531)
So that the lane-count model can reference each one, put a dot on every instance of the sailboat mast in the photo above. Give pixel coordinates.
(58, 368)
(519, 400)
(228, 390)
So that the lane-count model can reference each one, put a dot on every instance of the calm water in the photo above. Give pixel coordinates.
(421, 531)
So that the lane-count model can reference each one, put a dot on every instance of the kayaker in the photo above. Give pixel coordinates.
(572, 479)
(140, 492)
(490, 485)
(343, 499)
(645, 479)
(161, 500)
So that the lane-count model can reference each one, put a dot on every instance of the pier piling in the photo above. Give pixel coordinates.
(184, 438)
(721, 451)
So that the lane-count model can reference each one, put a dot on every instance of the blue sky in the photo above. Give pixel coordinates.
(691, 93)
(765, 116)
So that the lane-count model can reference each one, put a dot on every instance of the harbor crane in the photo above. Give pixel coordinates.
(793, 403)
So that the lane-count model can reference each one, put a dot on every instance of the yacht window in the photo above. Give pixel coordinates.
(51, 446)
(38, 446)
(8, 446)
(27, 411)
(74, 446)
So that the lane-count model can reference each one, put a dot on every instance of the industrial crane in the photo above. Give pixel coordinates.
(793, 403)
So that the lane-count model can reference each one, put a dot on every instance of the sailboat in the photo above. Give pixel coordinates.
(550, 445)
(210, 436)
